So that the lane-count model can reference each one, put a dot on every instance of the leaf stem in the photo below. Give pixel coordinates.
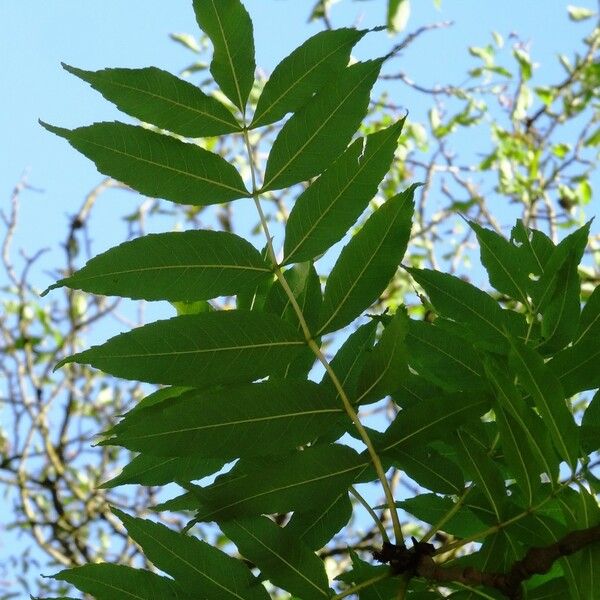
(389, 497)
(371, 512)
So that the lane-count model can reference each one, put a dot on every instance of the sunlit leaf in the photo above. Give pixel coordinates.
(331, 205)
(298, 76)
(316, 135)
(367, 263)
(196, 566)
(157, 97)
(191, 349)
(156, 165)
(183, 266)
(281, 557)
(229, 27)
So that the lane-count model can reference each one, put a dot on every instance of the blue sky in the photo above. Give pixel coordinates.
(37, 35)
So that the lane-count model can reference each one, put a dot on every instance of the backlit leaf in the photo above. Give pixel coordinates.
(146, 469)
(319, 523)
(156, 165)
(199, 568)
(331, 205)
(502, 262)
(157, 97)
(118, 582)
(316, 135)
(298, 76)
(226, 423)
(289, 483)
(549, 398)
(589, 324)
(191, 349)
(182, 266)
(367, 262)
(386, 364)
(229, 27)
(281, 557)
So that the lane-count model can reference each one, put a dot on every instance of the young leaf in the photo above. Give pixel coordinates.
(458, 300)
(199, 568)
(156, 165)
(431, 419)
(319, 523)
(502, 262)
(387, 364)
(367, 263)
(331, 205)
(549, 398)
(225, 423)
(289, 483)
(157, 97)
(183, 266)
(229, 27)
(118, 582)
(146, 469)
(281, 557)
(298, 76)
(192, 349)
(443, 358)
(315, 136)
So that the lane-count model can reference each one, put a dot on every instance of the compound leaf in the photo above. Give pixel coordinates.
(183, 266)
(229, 27)
(162, 99)
(368, 262)
(156, 165)
(192, 349)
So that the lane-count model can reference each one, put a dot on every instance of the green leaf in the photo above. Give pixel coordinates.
(457, 299)
(196, 566)
(316, 135)
(590, 425)
(443, 358)
(192, 349)
(281, 557)
(572, 247)
(579, 13)
(298, 76)
(159, 470)
(331, 205)
(316, 525)
(229, 27)
(185, 266)
(561, 317)
(289, 483)
(502, 262)
(157, 97)
(414, 389)
(367, 263)
(431, 419)
(484, 472)
(226, 423)
(547, 393)
(350, 359)
(429, 469)
(362, 571)
(118, 582)
(386, 364)
(534, 248)
(576, 367)
(432, 508)
(588, 331)
(398, 14)
(555, 589)
(156, 165)
(254, 299)
(159, 396)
